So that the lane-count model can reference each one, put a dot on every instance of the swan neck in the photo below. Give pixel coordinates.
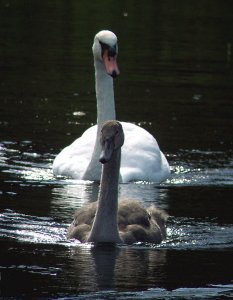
(104, 94)
(105, 111)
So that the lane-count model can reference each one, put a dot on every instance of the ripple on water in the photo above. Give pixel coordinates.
(189, 167)
(201, 168)
(188, 233)
(32, 229)
(182, 233)
(209, 292)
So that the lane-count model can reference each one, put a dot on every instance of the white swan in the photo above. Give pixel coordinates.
(142, 159)
(105, 221)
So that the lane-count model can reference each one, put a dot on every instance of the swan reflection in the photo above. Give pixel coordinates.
(106, 267)
(72, 194)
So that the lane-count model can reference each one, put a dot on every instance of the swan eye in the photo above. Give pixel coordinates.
(103, 47)
(112, 50)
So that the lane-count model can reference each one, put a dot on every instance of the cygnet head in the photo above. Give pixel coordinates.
(105, 50)
(111, 139)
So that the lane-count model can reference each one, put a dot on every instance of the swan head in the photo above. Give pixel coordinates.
(111, 139)
(105, 50)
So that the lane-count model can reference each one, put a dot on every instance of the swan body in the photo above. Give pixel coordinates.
(80, 160)
(106, 220)
(137, 162)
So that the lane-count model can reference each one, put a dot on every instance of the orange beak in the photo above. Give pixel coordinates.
(110, 63)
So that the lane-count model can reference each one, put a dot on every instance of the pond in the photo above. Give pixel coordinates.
(176, 82)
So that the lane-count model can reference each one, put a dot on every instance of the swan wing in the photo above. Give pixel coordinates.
(142, 159)
(73, 160)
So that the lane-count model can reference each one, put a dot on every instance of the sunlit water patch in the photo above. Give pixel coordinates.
(22, 161)
(188, 233)
(195, 167)
(32, 229)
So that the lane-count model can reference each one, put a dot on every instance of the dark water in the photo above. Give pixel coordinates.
(177, 82)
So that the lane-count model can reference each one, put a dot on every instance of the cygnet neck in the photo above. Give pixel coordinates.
(105, 225)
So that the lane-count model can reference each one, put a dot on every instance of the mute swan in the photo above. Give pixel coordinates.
(142, 159)
(104, 220)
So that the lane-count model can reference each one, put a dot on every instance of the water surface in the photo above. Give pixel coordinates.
(176, 81)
